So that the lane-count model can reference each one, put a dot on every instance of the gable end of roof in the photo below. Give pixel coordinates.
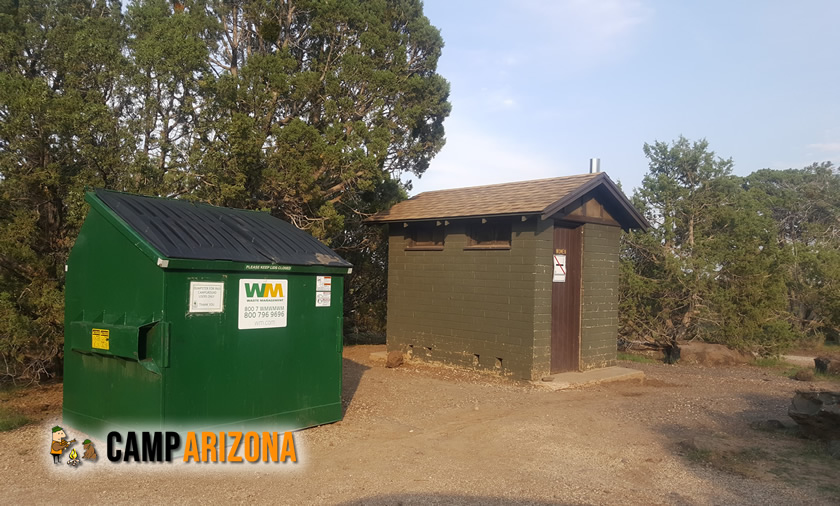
(628, 217)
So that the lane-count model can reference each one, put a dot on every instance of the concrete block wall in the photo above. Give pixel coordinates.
(544, 251)
(472, 308)
(599, 311)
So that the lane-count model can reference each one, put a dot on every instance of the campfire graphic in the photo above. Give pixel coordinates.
(74, 458)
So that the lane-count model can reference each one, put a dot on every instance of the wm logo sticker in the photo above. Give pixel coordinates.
(264, 290)
(263, 303)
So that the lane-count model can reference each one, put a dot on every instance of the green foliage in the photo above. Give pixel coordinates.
(769, 361)
(10, 417)
(805, 205)
(310, 109)
(632, 357)
(10, 420)
(60, 68)
(747, 262)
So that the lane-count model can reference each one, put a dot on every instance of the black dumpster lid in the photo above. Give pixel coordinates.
(182, 229)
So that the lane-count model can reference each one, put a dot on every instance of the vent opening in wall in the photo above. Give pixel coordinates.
(424, 236)
(489, 235)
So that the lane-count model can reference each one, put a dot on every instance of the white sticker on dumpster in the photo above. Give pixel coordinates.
(323, 299)
(206, 297)
(323, 283)
(263, 303)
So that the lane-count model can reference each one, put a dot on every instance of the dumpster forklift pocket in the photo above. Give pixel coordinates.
(147, 343)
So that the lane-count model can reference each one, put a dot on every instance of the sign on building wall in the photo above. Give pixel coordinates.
(559, 269)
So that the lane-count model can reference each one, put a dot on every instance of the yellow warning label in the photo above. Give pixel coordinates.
(100, 338)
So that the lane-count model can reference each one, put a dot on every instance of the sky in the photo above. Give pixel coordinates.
(539, 87)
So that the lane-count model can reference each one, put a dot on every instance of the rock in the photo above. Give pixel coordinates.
(671, 353)
(395, 359)
(834, 449)
(711, 354)
(804, 375)
(817, 413)
(827, 365)
(768, 425)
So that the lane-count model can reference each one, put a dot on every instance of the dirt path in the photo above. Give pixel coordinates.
(422, 434)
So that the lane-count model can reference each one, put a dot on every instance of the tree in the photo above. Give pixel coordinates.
(747, 303)
(309, 109)
(317, 111)
(711, 267)
(318, 103)
(169, 52)
(676, 189)
(805, 206)
(684, 184)
(60, 70)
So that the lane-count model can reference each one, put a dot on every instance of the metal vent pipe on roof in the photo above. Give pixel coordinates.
(594, 165)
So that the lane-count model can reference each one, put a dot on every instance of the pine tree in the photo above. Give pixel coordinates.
(308, 109)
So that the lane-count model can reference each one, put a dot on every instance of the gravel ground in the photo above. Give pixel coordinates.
(423, 434)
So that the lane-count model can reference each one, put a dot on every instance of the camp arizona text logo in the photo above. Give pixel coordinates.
(263, 290)
(203, 447)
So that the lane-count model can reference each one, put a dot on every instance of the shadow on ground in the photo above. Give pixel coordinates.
(352, 376)
(745, 445)
(754, 408)
(424, 499)
(355, 338)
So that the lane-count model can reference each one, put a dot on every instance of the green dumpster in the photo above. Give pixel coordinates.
(185, 315)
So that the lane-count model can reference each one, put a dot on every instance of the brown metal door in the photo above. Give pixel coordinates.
(565, 301)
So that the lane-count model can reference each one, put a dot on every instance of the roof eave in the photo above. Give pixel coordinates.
(377, 221)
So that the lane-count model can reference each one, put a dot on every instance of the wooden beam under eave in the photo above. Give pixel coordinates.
(589, 219)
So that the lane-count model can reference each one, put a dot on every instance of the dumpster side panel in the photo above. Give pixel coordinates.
(222, 374)
(113, 301)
